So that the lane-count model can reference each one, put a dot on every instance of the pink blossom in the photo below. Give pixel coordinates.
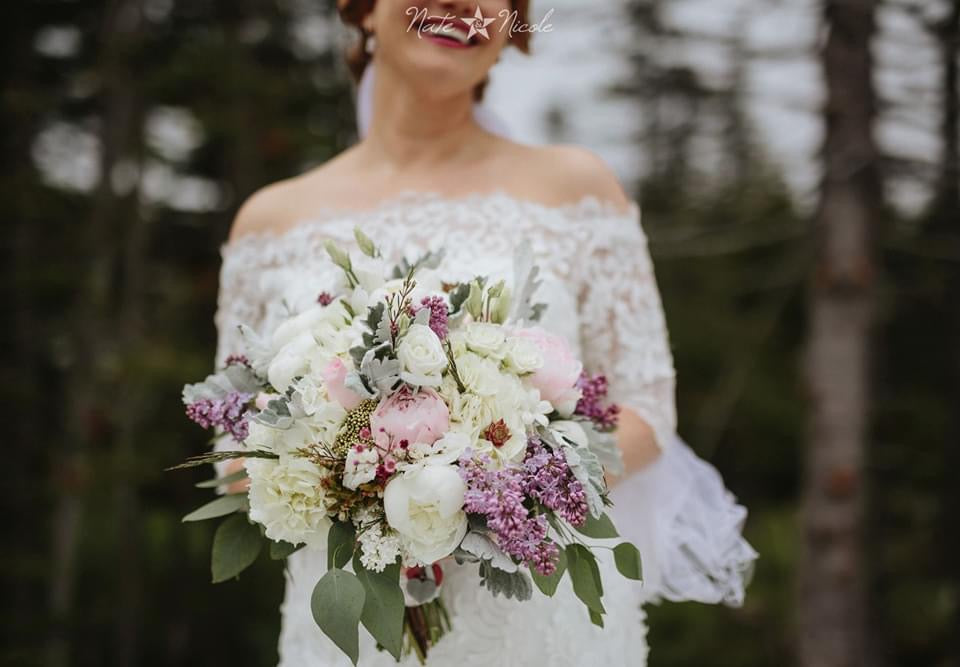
(334, 375)
(410, 416)
(557, 377)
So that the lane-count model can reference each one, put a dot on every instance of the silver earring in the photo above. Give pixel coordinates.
(371, 44)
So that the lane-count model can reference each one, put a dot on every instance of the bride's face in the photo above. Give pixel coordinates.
(431, 47)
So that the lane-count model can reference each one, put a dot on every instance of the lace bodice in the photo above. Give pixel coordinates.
(593, 257)
(599, 283)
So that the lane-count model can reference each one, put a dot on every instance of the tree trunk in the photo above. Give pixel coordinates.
(947, 204)
(832, 606)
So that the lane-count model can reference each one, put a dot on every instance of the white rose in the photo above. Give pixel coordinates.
(291, 360)
(425, 507)
(522, 356)
(422, 356)
(286, 498)
(486, 339)
(278, 440)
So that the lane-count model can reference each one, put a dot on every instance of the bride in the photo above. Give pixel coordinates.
(430, 173)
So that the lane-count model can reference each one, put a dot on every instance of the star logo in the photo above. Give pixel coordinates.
(478, 25)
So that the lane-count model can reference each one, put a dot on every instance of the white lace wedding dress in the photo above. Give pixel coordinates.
(599, 283)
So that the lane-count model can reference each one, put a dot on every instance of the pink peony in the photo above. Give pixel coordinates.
(333, 376)
(412, 417)
(557, 377)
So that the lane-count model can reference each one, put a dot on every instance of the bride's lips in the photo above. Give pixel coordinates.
(451, 33)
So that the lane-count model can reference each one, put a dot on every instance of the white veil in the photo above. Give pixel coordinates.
(677, 511)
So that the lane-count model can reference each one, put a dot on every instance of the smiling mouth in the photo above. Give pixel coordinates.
(452, 33)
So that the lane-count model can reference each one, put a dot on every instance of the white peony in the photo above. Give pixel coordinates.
(425, 507)
(486, 339)
(422, 356)
(287, 499)
(522, 356)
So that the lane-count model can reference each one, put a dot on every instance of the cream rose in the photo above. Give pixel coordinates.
(486, 339)
(425, 507)
(522, 356)
(422, 356)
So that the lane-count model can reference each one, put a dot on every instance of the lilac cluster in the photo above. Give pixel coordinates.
(438, 314)
(229, 413)
(592, 404)
(550, 481)
(498, 495)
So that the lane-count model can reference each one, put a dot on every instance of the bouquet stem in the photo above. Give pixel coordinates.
(424, 625)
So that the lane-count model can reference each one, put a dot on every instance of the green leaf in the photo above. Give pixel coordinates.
(548, 585)
(236, 502)
(599, 528)
(340, 543)
(627, 558)
(337, 604)
(515, 585)
(383, 606)
(281, 550)
(236, 546)
(595, 618)
(585, 576)
(229, 479)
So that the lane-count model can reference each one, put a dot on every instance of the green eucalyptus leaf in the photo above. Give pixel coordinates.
(236, 545)
(548, 585)
(337, 604)
(600, 527)
(222, 481)
(235, 502)
(340, 544)
(585, 576)
(383, 606)
(281, 550)
(627, 558)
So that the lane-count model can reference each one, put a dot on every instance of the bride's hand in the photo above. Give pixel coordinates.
(236, 465)
(637, 442)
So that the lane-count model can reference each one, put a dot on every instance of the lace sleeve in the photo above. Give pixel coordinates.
(677, 510)
(623, 329)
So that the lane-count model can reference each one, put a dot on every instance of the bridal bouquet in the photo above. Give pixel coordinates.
(404, 422)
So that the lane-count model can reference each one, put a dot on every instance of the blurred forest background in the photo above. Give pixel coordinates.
(815, 331)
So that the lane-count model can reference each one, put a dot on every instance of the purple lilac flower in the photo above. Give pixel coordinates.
(592, 404)
(229, 413)
(498, 495)
(438, 314)
(550, 481)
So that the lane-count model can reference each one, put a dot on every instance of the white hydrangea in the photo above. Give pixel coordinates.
(287, 499)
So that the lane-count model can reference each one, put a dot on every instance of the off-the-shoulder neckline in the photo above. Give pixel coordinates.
(588, 205)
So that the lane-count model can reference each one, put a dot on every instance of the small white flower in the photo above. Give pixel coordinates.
(378, 547)
(422, 356)
(360, 467)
